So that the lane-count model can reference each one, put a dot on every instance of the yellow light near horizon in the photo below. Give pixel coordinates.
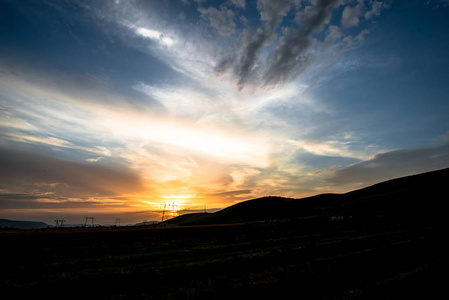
(172, 210)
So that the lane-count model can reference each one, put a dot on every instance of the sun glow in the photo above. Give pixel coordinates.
(170, 210)
(182, 136)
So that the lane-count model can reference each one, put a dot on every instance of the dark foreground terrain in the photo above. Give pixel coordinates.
(387, 241)
(315, 259)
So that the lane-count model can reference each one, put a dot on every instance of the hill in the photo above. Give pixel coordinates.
(4, 223)
(415, 196)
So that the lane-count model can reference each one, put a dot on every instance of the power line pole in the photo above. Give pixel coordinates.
(163, 212)
(87, 219)
(59, 223)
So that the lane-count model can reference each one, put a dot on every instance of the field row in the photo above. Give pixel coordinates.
(343, 261)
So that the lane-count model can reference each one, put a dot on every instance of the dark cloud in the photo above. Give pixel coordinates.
(229, 196)
(38, 176)
(230, 193)
(271, 12)
(34, 200)
(315, 162)
(291, 56)
(221, 19)
(392, 164)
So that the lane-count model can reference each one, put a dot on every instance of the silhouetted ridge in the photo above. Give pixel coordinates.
(4, 223)
(415, 196)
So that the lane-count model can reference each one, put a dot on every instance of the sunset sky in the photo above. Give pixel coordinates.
(111, 108)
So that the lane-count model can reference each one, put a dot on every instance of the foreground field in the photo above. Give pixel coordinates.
(303, 260)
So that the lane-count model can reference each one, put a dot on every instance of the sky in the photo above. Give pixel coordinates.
(112, 108)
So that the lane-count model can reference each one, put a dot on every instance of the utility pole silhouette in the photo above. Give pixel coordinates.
(163, 212)
(87, 219)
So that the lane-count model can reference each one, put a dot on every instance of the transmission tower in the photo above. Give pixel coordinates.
(87, 219)
(59, 223)
(163, 212)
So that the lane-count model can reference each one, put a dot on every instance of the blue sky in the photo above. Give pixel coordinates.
(114, 107)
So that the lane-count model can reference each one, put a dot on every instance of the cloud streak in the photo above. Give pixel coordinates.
(273, 56)
(392, 164)
(276, 49)
(33, 172)
(221, 19)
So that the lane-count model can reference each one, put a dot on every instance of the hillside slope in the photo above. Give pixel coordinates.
(4, 223)
(421, 195)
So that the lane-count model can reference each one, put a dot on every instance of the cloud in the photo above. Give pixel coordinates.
(271, 13)
(315, 162)
(291, 56)
(329, 148)
(288, 39)
(154, 35)
(350, 16)
(333, 33)
(239, 3)
(56, 142)
(392, 164)
(230, 196)
(221, 20)
(376, 8)
(39, 174)
(195, 133)
(230, 193)
(165, 151)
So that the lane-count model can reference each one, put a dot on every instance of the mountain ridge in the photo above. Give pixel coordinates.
(404, 197)
(6, 223)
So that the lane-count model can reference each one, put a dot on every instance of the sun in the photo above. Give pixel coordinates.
(173, 205)
(170, 210)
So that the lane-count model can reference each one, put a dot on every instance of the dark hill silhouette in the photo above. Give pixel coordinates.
(415, 196)
(4, 223)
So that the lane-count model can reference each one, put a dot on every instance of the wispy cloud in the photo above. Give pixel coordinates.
(31, 172)
(154, 35)
(390, 165)
(351, 15)
(221, 19)
(270, 55)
